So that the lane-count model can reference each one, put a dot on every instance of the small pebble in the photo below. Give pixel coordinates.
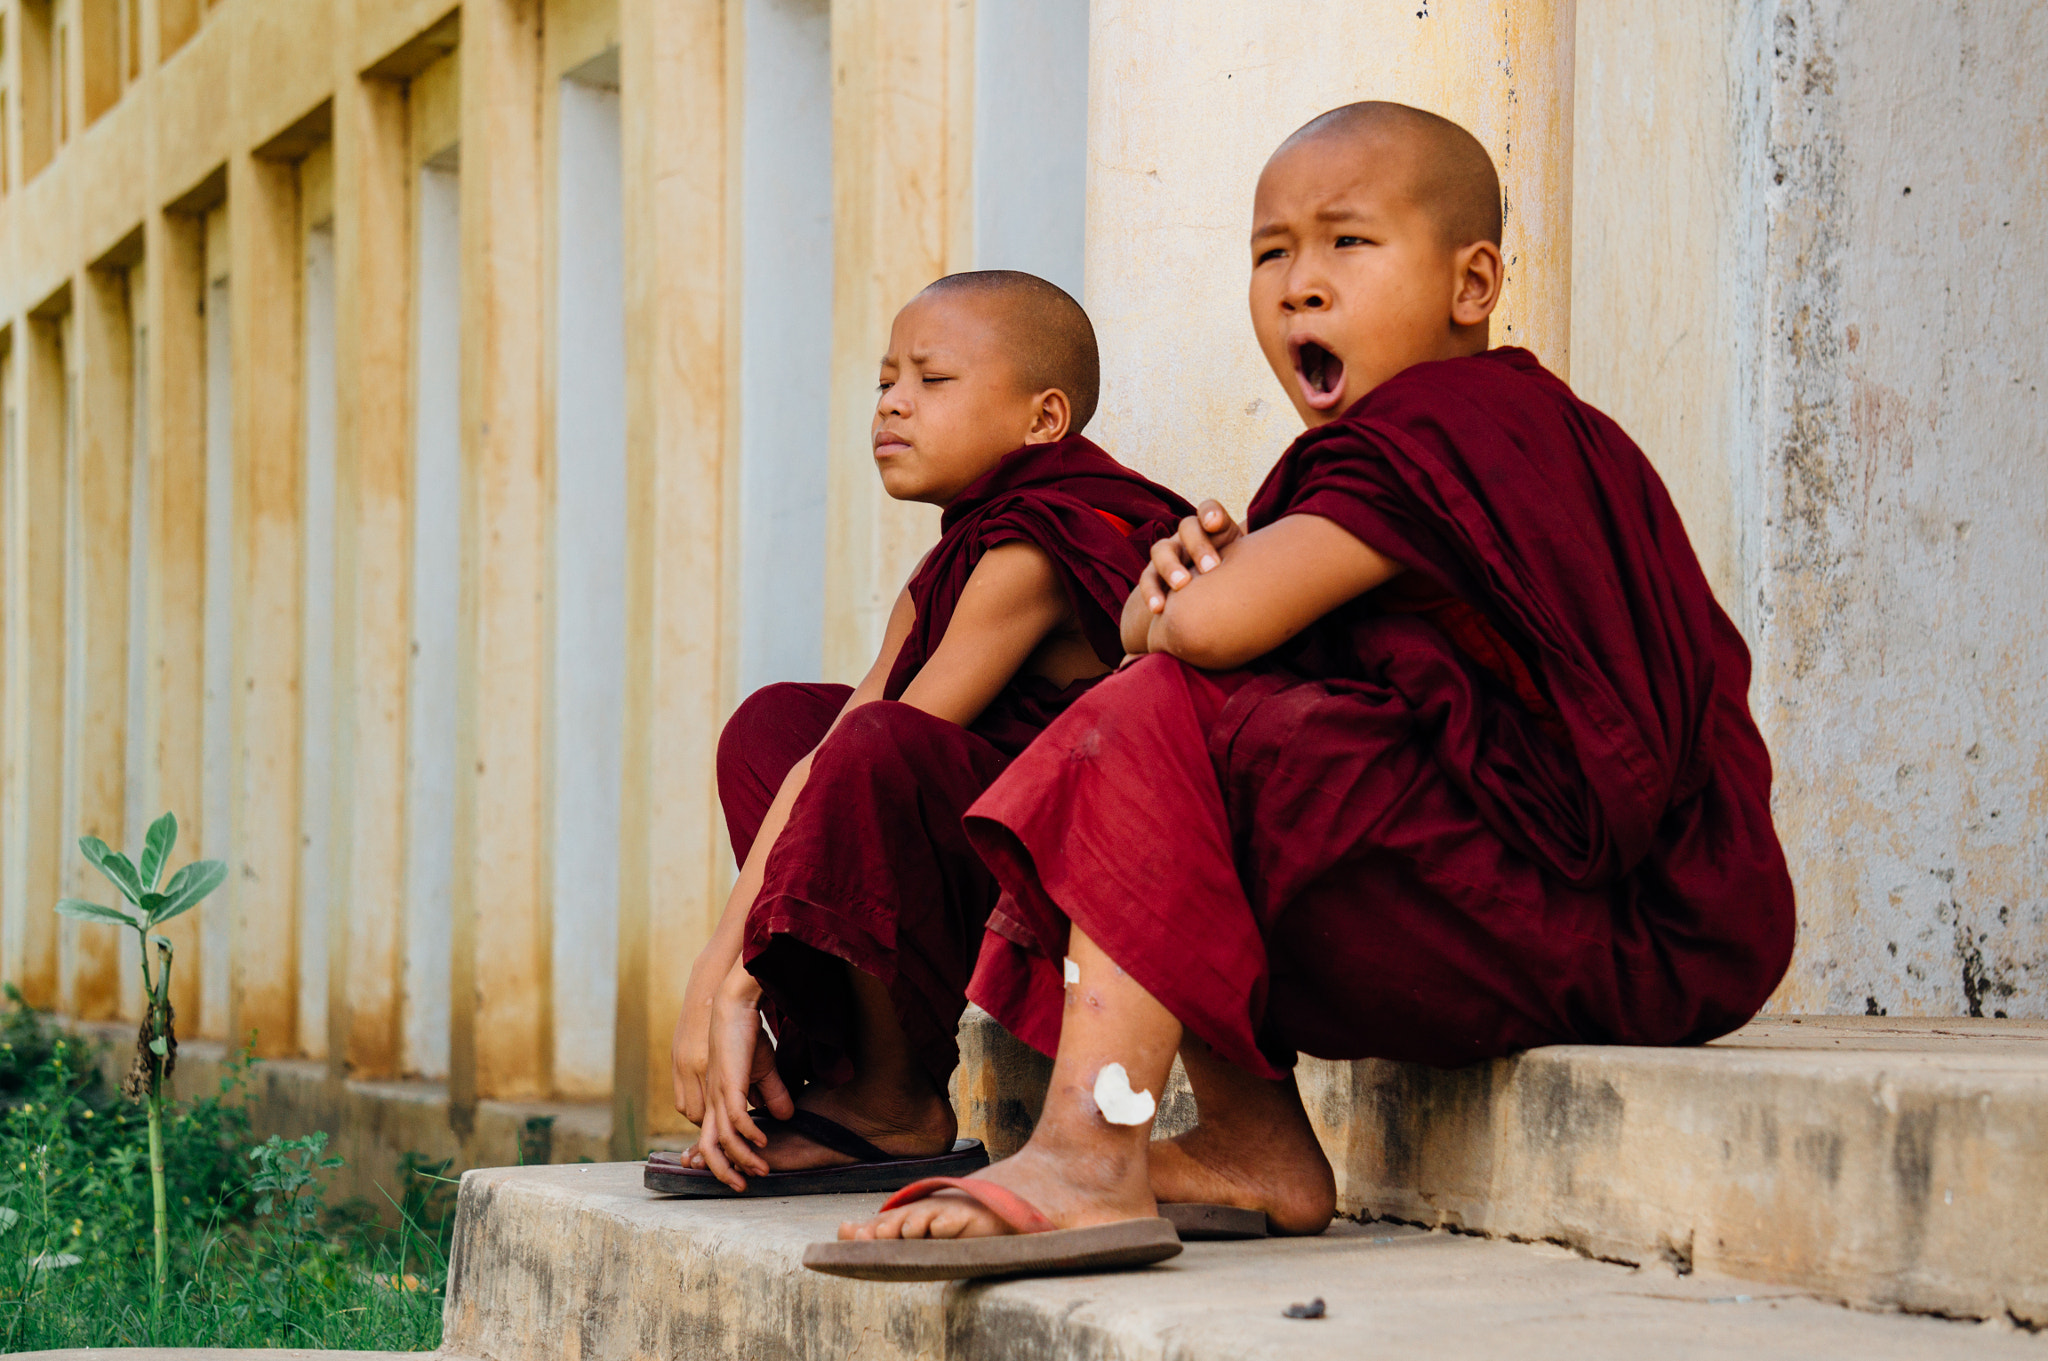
(1313, 1309)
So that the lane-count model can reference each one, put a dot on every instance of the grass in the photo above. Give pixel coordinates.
(257, 1257)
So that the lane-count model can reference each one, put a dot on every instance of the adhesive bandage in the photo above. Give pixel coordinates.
(1117, 1102)
(1073, 973)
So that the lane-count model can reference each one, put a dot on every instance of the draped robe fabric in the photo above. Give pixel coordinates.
(874, 867)
(1516, 797)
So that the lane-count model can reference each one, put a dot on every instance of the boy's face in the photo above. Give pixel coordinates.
(951, 403)
(1352, 281)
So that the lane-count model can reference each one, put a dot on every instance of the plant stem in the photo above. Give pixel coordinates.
(156, 1186)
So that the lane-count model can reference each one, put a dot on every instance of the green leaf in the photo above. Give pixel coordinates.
(156, 848)
(151, 904)
(80, 910)
(158, 1047)
(188, 886)
(118, 868)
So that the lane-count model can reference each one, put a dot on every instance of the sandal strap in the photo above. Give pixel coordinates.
(821, 1129)
(1020, 1214)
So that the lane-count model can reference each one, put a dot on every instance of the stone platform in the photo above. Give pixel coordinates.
(580, 1261)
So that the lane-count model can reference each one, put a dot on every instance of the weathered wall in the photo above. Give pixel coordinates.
(1902, 640)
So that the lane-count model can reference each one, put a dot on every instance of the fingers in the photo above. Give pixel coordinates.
(711, 1150)
(1153, 589)
(773, 1091)
(1195, 545)
(1222, 530)
(1170, 560)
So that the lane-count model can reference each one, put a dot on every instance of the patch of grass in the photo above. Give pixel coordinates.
(256, 1258)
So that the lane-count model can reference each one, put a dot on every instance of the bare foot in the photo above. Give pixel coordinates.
(1256, 1151)
(900, 1124)
(1071, 1190)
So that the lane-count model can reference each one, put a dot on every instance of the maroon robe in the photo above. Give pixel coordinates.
(874, 868)
(1515, 797)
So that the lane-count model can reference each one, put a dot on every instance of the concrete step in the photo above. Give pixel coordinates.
(1882, 1162)
(580, 1261)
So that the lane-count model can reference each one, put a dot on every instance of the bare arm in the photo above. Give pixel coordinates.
(1217, 597)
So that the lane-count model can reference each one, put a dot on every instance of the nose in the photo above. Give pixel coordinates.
(1305, 296)
(892, 401)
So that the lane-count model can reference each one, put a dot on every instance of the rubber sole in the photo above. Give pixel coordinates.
(967, 1157)
(1198, 1222)
(1120, 1246)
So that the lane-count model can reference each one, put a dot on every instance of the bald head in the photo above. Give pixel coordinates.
(1450, 176)
(1047, 335)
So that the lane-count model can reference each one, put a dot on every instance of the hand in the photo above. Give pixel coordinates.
(1178, 559)
(689, 1050)
(740, 1074)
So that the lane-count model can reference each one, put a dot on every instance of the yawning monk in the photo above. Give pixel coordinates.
(1445, 754)
(858, 912)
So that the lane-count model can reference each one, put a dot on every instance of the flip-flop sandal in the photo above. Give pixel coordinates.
(1034, 1248)
(874, 1169)
(1196, 1221)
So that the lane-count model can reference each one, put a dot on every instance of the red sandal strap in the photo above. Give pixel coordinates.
(1020, 1214)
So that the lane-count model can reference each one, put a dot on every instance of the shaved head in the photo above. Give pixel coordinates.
(1450, 176)
(1049, 337)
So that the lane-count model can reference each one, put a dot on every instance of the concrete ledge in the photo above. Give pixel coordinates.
(1886, 1163)
(580, 1261)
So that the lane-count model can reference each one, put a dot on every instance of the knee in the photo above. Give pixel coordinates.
(764, 720)
(883, 740)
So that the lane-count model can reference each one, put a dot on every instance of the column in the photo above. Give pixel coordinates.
(673, 858)
(499, 1022)
(901, 136)
(175, 688)
(97, 724)
(263, 993)
(35, 659)
(373, 470)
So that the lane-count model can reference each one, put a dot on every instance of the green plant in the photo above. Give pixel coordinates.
(75, 1256)
(156, 1047)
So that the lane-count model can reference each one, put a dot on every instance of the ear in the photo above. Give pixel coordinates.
(1476, 278)
(1054, 414)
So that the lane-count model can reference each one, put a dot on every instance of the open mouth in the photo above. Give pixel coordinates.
(1321, 374)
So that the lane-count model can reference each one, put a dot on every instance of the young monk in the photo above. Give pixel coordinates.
(1445, 754)
(858, 911)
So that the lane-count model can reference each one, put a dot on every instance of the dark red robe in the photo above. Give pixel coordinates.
(874, 867)
(1514, 798)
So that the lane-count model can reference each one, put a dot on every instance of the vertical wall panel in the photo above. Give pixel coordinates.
(432, 697)
(316, 665)
(216, 826)
(1031, 137)
(785, 247)
(589, 552)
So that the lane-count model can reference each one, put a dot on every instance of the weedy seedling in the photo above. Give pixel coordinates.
(156, 1046)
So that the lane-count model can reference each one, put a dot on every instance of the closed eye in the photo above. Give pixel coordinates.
(1344, 241)
(1263, 256)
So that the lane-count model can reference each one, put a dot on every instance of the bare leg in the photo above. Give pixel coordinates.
(1078, 1169)
(890, 1102)
(1253, 1148)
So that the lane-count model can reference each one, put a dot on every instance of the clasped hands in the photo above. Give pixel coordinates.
(1194, 550)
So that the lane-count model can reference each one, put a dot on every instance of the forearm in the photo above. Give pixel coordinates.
(719, 959)
(1136, 625)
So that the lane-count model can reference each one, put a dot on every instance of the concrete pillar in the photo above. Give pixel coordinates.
(215, 830)
(499, 1022)
(35, 660)
(1030, 164)
(902, 212)
(1186, 394)
(264, 211)
(373, 471)
(673, 859)
(317, 592)
(175, 363)
(97, 699)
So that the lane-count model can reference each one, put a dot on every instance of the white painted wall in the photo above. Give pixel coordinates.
(436, 615)
(1031, 137)
(589, 668)
(74, 676)
(785, 338)
(316, 657)
(217, 633)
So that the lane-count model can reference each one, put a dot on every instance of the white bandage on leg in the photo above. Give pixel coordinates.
(1073, 973)
(1117, 1102)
